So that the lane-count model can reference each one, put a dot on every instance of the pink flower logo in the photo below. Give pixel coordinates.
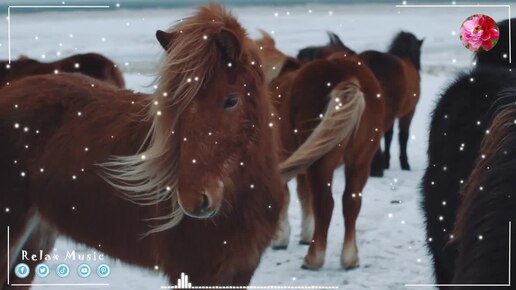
(479, 33)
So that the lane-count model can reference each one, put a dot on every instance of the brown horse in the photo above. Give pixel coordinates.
(398, 74)
(330, 112)
(90, 64)
(186, 180)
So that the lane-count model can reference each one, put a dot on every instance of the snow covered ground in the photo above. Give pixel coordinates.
(390, 228)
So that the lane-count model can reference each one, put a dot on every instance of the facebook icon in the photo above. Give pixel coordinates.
(22, 270)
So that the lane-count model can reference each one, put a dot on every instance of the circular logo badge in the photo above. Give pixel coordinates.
(103, 270)
(42, 270)
(479, 33)
(22, 270)
(63, 270)
(84, 270)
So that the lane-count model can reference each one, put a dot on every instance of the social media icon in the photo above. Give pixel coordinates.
(63, 270)
(22, 270)
(84, 270)
(103, 270)
(42, 270)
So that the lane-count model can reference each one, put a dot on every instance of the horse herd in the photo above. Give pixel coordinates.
(192, 178)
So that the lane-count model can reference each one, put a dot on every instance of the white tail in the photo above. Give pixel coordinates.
(340, 121)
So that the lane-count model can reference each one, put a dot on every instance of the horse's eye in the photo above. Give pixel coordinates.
(230, 102)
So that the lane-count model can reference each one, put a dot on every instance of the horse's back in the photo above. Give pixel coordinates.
(66, 89)
(90, 64)
(317, 79)
(41, 106)
(94, 65)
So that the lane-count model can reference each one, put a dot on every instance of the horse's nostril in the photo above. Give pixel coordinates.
(205, 202)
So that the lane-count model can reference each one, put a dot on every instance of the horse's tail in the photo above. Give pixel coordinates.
(340, 121)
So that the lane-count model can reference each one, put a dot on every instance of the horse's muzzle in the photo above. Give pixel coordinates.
(204, 209)
(204, 204)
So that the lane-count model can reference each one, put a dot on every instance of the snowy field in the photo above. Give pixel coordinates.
(390, 228)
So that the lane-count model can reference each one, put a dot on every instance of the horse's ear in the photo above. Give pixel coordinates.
(335, 39)
(290, 64)
(164, 38)
(267, 38)
(228, 44)
(421, 41)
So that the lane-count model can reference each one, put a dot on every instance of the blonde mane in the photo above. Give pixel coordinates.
(150, 176)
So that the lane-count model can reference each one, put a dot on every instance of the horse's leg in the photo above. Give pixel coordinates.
(378, 164)
(404, 127)
(282, 237)
(243, 276)
(320, 176)
(387, 151)
(305, 197)
(42, 238)
(20, 226)
(356, 177)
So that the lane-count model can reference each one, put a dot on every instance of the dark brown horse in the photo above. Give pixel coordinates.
(330, 113)
(323, 51)
(398, 74)
(90, 64)
(186, 180)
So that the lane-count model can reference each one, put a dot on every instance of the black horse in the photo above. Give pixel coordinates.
(322, 51)
(460, 122)
(488, 205)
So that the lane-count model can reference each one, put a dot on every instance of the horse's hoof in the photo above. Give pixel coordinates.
(386, 166)
(282, 238)
(376, 173)
(307, 229)
(314, 262)
(405, 167)
(349, 256)
(404, 163)
(350, 265)
(306, 267)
